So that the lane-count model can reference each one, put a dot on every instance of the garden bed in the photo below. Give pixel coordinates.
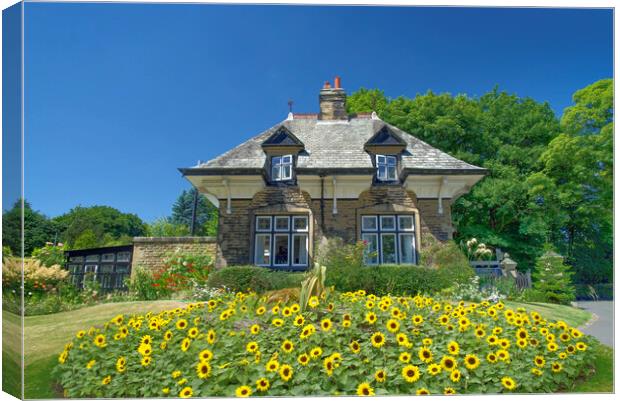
(231, 347)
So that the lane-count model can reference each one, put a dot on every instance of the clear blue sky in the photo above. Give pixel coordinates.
(118, 95)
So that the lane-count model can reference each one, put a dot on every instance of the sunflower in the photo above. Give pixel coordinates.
(552, 347)
(492, 340)
(417, 320)
(503, 355)
(275, 310)
(287, 346)
(355, 347)
(392, 325)
(364, 389)
(316, 352)
(328, 364)
(62, 358)
(449, 391)
(471, 361)
(522, 334)
(539, 361)
(286, 372)
(453, 348)
(371, 317)
(262, 384)
(425, 354)
(556, 367)
(427, 342)
(313, 302)
(181, 325)
(581, 346)
(411, 373)
(377, 339)
(121, 364)
(455, 375)
(185, 344)
(401, 339)
(168, 335)
(251, 347)
(165, 390)
(272, 366)
(479, 333)
(90, 364)
(186, 392)
(576, 333)
(100, 341)
(380, 375)
(175, 374)
(243, 391)
(536, 372)
(570, 349)
(303, 359)
(261, 310)
(106, 380)
(444, 319)
(370, 304)
(326, 324)
(509, 383)
(405, 357)
(193, 332)
(211, 336)
(299, 320)
(504, 343)
(203, 369)
(80, 334)
(277, 322)
(434, 369)
(286, 312)
(448, 363)
(422, 391)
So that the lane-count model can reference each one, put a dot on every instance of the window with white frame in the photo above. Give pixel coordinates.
(281, 241)
(281, 168)
(386, 168)
(389, 239)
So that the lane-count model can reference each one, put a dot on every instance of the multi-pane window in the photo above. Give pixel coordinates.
(281, 168)
(389, 239)
(386, 168)
(281, 241)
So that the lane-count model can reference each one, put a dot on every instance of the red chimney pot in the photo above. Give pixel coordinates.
(337, 82)
(326, 85)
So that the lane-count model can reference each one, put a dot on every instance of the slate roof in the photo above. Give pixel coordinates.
(334, 146)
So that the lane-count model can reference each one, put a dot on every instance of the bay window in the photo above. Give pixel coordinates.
(389, 239)
(281, 241)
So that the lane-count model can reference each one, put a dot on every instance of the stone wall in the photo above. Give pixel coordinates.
(149, 252)
(236, 229)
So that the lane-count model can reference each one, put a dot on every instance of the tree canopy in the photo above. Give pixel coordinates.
(206, 213)
(38, 229)
(550, 179)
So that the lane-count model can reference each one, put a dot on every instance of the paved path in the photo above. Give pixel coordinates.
(602, 324)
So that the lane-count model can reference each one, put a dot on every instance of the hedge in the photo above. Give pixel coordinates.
(253, 278)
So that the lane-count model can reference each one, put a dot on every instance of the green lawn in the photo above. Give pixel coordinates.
(46, 335)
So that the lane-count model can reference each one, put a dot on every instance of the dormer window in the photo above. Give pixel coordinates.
(282, 168)
(386, 168)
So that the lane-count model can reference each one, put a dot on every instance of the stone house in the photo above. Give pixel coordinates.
(331, 174)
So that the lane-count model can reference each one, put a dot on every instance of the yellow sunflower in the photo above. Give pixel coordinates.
(455, 375)
(509, 383)
(251, 347)
(377, 339)
(355, 347)
(326, 324)
(286, 372)
(434, 369)
(287, 346)
(185, 344)
(316, 352)
(380, 375)
(181, 325)
(448, 363)
(100, 341)
(425, 354)
(411, 373)
(371, 317)
(262, 384)
(299, 320)
(404, 357)
(392, 325)
(272, 366)
(203, 369)
(106, 380)
(365, 390)
(471, 361)
(453, 348)
(449, 391)
(303, 359)
(205, 355)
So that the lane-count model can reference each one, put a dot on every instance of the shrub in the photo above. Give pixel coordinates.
(182, 271)
(50, 254)
(37, 278)
(441, 265)
(253, 278)
(226, 347)
(145, 287)
(552, 279)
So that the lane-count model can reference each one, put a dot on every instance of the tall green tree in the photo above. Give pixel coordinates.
(206, 213)
(98, 226)
(38, 229)
(577, 172)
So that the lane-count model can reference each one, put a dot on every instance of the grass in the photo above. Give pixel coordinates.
(46, 335)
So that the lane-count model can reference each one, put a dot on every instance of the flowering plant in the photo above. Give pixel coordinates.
(344, 344)
(37, 278)
(476, 250)
(180, 270)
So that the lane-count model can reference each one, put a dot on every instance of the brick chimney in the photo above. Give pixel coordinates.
(332, 102)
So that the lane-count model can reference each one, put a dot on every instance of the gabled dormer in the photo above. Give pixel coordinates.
(281, 150)
(385, 148)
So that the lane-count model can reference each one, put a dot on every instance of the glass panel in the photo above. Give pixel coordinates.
(381, 174)
(73, 269)
(370, 251)
(263, 223)
(262, 251)
(123, 256)
(281, 223)
(107, 257)
(388, 223)
(391, 173)
(76, 259)
(369, 223)
(287, 159)
(407, 248)
(106, 269)
(92, 258)
(275, 172)
(300, 249)
(122, 268)
(280, 249)
(380, 159)
(405, 223)
(275, 161)
(286, 172)
(300, 223)
(388, 248)
(391, 161)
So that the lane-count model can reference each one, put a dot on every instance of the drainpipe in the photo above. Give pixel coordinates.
(443, 181)
(335, 199)
(228, 201)
(322, 203)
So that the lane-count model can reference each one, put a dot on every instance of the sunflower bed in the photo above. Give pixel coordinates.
(343, 344)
